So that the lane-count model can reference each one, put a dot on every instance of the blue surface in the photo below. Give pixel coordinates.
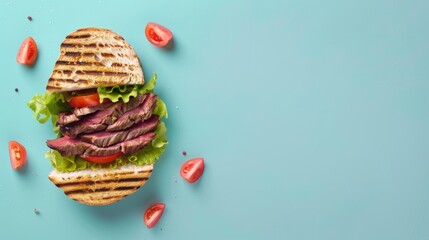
(313, 118)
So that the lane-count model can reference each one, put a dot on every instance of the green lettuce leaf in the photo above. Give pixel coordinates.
(66, 164)
(125, 92)
(48, 104)
(161, 109)
(161, 136)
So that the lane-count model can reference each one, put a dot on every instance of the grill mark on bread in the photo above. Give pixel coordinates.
(79, 36)
(123, 65)
(115, 74)
(64, 71)
(59, 62)
(72, 54)
(87, 54)
(89, 73)
(77, 45)
(89, 45)
(113, 197)
(50, 87)
(69, 80)
(107, 55)
(100, 190)
(102, 182)
(81, 72)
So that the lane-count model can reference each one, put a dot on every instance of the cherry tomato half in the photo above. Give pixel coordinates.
(102, 159)
(17, 154)
(153, 214)
(192, 170)
(27, 53)
(88, 100)
(158, 35)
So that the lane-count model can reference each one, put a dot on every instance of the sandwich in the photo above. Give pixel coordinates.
(107, 119)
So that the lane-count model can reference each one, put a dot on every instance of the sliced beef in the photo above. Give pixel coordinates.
(99, 120)
(79, 112)
(92, 123)
(76, 115)
(67, 146)
(133, 103)
(104, 139)
(133, 145)
(140, 113)
(127, 147)
(97, 151)
(66, 118)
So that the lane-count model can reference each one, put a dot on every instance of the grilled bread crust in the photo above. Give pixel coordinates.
(102, 186)
(91, 57)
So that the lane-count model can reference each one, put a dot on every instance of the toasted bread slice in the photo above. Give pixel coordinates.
(102, 186)
(93, 57)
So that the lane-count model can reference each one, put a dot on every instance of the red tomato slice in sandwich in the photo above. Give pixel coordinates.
(27, 53)
(192, 170)
(158, 35)
(88, 100)
(17, 154)
(153, 214)
(103, 159)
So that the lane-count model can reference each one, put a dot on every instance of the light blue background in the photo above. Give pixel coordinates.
(313, 118)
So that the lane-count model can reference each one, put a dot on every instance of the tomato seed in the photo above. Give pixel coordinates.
(154, 36)
(188, 167)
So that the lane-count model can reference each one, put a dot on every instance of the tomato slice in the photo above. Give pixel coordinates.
(17, 154)
(88, 100)
(102, 159)
(153, 214)
(157, 34)
(27, 53)
(192, 170)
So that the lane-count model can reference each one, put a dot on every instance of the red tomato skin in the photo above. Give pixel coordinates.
(17, 154)
(103, 159)
(153, 214)
(88, 100)
(192, 169)
(27, 53)
(157, 34)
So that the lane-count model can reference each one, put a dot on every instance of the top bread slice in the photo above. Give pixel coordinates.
(93, 57)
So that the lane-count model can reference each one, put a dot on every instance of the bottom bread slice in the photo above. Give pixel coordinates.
(102, 186)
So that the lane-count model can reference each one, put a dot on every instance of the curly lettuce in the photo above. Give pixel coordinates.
(116, 93)
(49, 105)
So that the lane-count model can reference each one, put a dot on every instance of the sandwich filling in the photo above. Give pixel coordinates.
(125, 127)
